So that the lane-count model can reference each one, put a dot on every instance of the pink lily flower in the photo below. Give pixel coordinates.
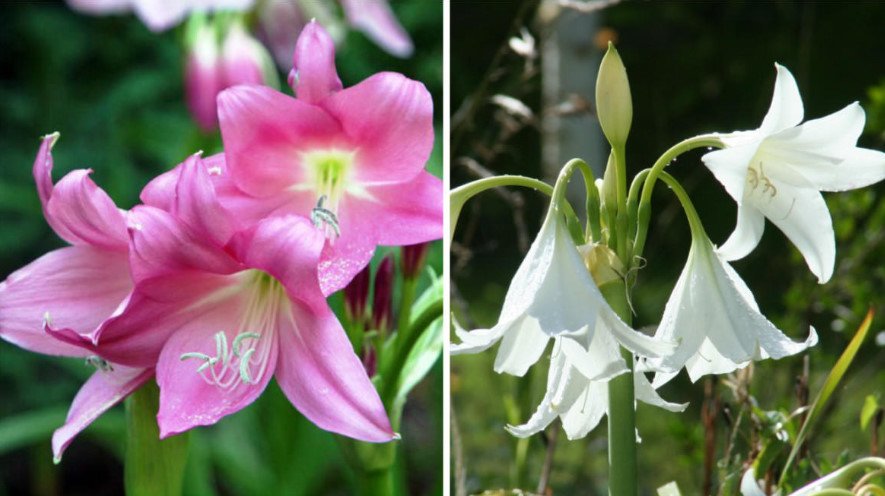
(282, 20)
(351, 159)
(220, 310)
(157, 15)
(75, 288)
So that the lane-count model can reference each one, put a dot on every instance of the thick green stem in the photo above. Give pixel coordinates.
(459, 196)
(376, 482)
(153, 467)
(621, 411)
(644, 211)
(407, 297)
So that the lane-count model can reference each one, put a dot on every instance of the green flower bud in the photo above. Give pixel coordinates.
(614, 106)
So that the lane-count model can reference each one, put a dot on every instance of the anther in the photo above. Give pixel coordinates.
(99, 363)
(321, 216)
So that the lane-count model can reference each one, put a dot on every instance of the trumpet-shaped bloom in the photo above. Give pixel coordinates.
(715, 319)
(580, 401)
(351, 159)
(157, 15)
(779, 170)
(552, 294)
(221, 310)
(74, 288)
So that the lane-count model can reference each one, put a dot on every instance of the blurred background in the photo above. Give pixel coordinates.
(114, 91)
(522, 102)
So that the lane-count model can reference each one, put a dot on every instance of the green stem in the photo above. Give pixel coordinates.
(153, 467)
(459, 196)
(391, 373)
(644, 210)
(407, 297)
(376, 482)
(621, 212)
(621, 411)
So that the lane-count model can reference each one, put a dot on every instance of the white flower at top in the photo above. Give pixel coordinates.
(779, 170)
(715, 319)
(552, 294)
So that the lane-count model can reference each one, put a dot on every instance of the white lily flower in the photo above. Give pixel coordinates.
(579, 401)
(779, 170)
(552, 294)
(715, 319)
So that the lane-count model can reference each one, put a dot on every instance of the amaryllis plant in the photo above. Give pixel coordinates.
(218, 281)
(575, 284)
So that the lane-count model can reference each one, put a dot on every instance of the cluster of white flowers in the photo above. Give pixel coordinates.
(711, 323)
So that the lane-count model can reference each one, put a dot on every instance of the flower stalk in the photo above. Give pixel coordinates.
(153, 467)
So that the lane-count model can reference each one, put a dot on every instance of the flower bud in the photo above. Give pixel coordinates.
(244, 60)
(370, 359)
(602, 263)
(356, 296)
(382, 304)
(202, 77)
(614, 105)
(413, 257)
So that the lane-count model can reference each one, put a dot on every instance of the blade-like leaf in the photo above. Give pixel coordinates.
(830, 384)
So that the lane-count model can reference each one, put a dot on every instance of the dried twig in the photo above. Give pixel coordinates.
(550, 439)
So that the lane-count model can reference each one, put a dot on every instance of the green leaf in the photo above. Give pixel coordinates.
(830, 384)
(428, 347)
(870, 407)
(30, 428)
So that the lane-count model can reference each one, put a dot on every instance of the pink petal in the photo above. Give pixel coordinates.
(313, 75)
(76, 209)
(159, 308)
(197, 205)
(101, 392)
(280, 22)
(100, 6)
(288, 248)
(376, 20)
(78, 287)
(343, 260)
(390, 118)
(265, 132)
(320, 374)
(162, 244)
(404, 213)
(186, 399)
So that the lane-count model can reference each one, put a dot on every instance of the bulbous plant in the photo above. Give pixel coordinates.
(711, 324)
(218, 282)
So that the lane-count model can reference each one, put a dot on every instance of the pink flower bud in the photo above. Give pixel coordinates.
(243, 59)
(413, 257)
(382, 305)
(202, 78)
(356, 296)
(370, 359)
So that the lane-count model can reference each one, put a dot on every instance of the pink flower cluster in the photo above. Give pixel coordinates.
(218, 280)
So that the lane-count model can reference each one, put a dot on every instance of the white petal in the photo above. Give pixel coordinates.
(558, 378)
(636, 342)
(475, 341)
(775, 344)
(522, 345)
(531, 274)
(662, 378)
(746, 235)
(601, 360)
(749, 486)
(708, 360)
(647, 394)
(584, 414)
(730, 166)
(786, 104)
(801, 213)
(831, 135)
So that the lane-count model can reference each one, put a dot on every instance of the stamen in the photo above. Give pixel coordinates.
(99, 363)
(324, 218)
(229, 357)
